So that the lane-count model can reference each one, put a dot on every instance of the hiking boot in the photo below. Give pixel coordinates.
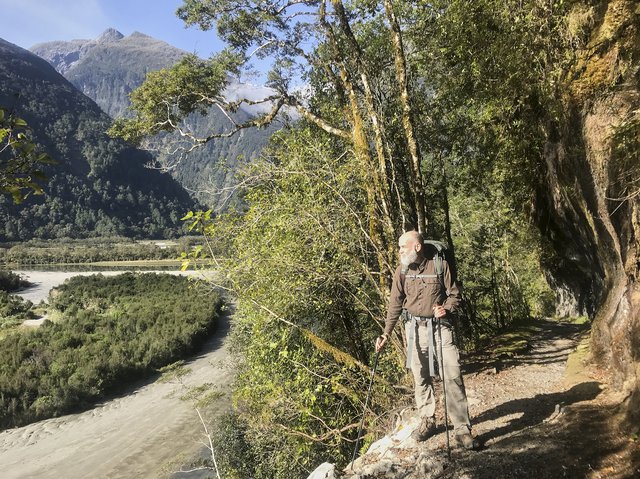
(425, 430)
(467, 441)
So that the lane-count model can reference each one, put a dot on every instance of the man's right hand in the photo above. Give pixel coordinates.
(380, 342)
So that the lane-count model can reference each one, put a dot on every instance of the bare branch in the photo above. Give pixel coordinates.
(292, 101)
(210, 447)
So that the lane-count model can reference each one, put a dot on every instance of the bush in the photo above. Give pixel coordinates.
(10, 281)
(13, 310)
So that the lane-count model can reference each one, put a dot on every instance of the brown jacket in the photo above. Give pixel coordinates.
(419, 290)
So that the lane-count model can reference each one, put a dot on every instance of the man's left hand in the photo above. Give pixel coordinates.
(439, 311)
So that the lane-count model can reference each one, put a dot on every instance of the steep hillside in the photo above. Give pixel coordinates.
(100, 185)
(108, 68)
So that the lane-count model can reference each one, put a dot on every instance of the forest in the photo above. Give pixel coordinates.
(91, 250)
(508, 129)
(102, 335)
(50, 133)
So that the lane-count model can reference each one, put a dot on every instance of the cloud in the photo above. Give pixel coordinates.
(27, 22)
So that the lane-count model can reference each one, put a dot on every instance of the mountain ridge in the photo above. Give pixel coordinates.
(79, 60)
(100, 185)
(108, 70)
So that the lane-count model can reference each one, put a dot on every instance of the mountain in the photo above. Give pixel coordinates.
(100, 186)
(108, 68)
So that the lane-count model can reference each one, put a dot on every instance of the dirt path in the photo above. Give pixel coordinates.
(145, 434)
(536, 414)
(544, 414)
(509, 394)
(541, 416)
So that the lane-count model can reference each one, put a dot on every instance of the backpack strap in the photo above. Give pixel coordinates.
(438, 263)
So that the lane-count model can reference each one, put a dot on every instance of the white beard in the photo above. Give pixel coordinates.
(409, 258)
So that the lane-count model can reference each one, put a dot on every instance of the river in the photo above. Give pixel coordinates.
(147, 434)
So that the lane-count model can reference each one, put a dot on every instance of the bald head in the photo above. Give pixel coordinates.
(413, 236)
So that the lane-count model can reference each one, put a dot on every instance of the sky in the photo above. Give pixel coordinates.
(27, 22)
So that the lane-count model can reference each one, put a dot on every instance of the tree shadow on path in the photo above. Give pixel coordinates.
(534, 410)
(584, 441)
(543, 348)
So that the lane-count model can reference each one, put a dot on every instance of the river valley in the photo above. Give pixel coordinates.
(147, 433)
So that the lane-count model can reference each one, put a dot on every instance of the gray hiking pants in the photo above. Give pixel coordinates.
(457, 407)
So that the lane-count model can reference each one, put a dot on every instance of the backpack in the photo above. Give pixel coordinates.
(439, 251)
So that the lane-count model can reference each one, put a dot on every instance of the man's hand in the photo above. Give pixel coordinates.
(380, 342)
(439, 311)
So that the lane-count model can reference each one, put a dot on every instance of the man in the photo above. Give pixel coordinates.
(430, 301)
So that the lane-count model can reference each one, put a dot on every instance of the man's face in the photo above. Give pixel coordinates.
(408, 247)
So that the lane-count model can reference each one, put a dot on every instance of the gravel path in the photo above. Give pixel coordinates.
(539, 418)
(540, 415)
(509, 394)
(534, 417)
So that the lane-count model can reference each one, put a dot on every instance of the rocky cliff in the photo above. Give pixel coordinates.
(108, 68)
(588, 208)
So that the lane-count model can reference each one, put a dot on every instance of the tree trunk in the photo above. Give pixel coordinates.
(407, 116)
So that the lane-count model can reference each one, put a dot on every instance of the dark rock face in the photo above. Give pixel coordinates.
(576, 271)
(588, 207)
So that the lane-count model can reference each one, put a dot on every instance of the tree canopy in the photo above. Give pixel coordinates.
(21, 160)
(109, 332)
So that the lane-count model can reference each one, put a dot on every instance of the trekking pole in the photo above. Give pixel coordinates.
(366, 402)
(444, 388)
